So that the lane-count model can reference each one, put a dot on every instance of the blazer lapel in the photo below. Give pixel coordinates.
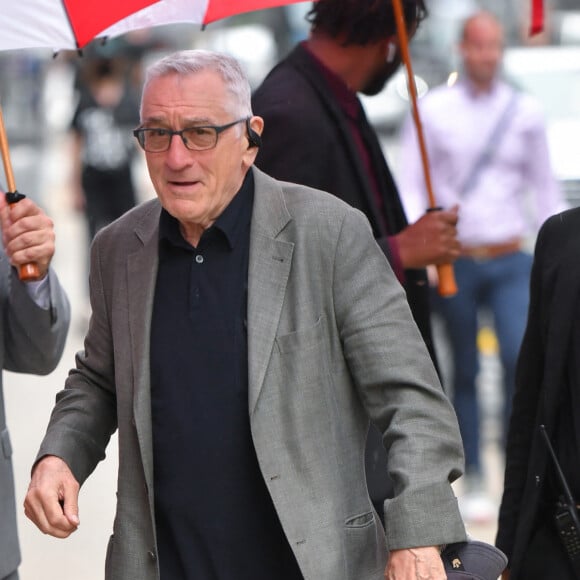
(142, 275)
(269, 268)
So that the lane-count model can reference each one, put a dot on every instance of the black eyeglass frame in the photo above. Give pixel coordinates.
(140, 133)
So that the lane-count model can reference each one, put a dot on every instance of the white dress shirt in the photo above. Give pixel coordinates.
(513, 194)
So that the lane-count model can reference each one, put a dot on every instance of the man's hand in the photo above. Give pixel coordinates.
(414, 563)
(52, 498)
(27, 234)
(432, 239)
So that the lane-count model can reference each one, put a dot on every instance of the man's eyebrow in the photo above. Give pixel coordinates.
(199, 121)
(153, 121)
(185, 122)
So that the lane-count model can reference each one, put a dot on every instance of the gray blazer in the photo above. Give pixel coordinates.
(331, 343)
(31, 341)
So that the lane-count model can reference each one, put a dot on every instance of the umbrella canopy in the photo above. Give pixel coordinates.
(72, 24)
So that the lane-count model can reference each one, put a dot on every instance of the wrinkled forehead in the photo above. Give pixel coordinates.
(202, 95)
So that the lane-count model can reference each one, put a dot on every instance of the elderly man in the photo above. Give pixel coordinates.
(244, 330)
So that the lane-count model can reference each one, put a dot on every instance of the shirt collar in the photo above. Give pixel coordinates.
(233, 222)
(474, 93)
(346, 98)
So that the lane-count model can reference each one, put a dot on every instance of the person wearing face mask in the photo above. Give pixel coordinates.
(317, 133)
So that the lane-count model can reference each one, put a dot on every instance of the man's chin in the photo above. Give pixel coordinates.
(377, 84)
(373, 90)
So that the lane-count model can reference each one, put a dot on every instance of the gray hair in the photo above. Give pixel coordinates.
(188, 62)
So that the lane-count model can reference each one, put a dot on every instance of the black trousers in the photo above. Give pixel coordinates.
(108, 194)
(545, 557)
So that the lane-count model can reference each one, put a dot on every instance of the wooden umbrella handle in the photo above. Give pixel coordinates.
(26, 272)
(447, 285)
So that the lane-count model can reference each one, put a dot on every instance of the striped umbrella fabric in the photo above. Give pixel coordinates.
(72, 24)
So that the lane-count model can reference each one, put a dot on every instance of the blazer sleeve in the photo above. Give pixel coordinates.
(34, 338)
(399, 388)
(84, 416)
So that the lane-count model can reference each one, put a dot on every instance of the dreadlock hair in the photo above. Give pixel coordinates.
(362, 21)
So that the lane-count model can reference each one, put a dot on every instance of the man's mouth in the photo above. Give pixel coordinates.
(182, 184)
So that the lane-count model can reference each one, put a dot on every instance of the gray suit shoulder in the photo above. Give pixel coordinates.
(318, 204)
(141, 215)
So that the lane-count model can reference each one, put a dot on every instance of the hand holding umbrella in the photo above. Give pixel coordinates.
(26, 272)
(447, 285)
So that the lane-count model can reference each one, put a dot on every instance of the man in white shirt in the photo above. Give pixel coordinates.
(488, 150)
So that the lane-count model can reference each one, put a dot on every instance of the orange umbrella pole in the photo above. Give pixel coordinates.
(26, 272)
(447, 285)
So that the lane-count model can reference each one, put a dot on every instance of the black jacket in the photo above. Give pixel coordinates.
(545, 367)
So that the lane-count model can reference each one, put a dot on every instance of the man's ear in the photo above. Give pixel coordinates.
(254, 139)
(254, 128)
(391, 47)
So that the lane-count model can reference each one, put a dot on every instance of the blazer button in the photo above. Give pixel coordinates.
(152, 555)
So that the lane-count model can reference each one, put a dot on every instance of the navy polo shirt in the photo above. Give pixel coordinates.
(214, 517)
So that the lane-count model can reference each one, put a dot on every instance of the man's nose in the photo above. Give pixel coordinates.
(178, 153)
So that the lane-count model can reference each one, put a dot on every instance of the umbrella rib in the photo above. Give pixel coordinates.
(63, 2)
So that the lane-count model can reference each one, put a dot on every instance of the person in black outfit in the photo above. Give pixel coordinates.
(316, 133)
(103, 151)
(547, 393)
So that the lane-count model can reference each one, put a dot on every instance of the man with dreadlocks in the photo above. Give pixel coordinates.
(316, 133)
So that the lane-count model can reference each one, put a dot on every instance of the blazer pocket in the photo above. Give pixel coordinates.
(301, 339)
(303, 356)
(365, 554)
(360, 521)
(6, 445)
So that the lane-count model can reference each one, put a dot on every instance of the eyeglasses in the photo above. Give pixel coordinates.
(157, 140)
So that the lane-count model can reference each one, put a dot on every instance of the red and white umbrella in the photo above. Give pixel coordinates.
(72, 24)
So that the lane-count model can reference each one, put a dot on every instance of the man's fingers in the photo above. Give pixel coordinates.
(46, 511)
(52, 498)
(28, 235)
(71, 509)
